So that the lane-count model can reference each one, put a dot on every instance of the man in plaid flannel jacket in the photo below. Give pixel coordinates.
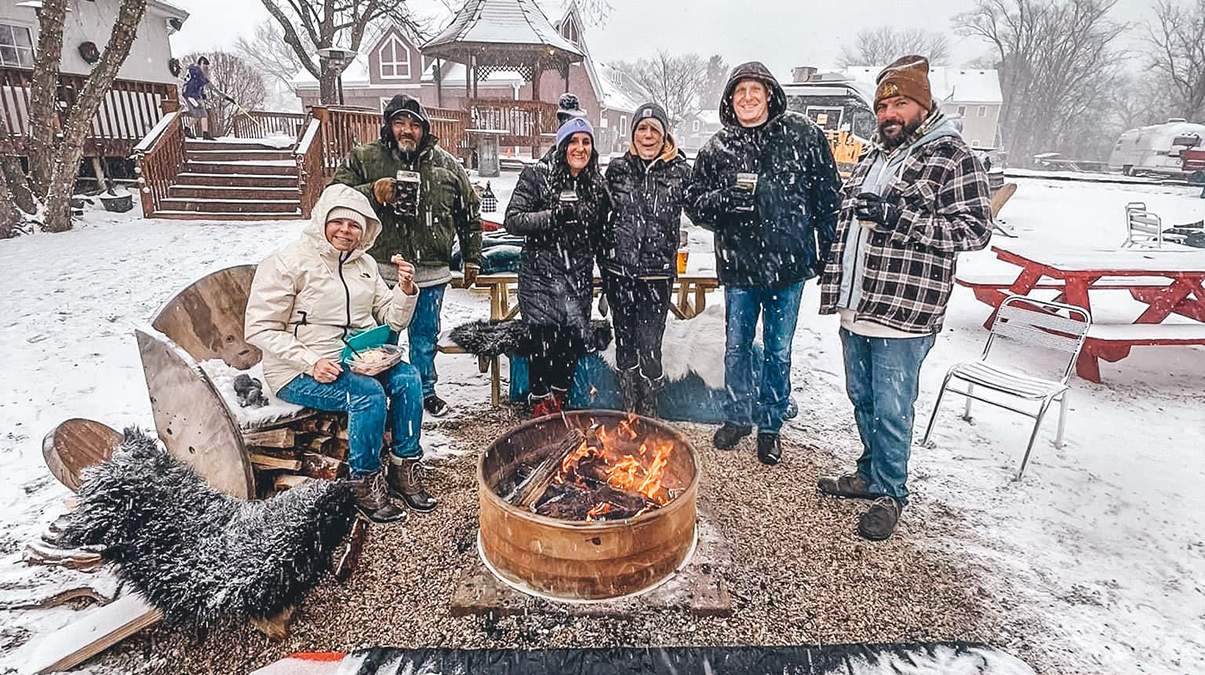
(918, 198)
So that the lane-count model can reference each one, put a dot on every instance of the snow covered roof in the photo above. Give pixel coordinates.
(619, 92)
(961, 85)
(502, 22)
(355, 74)
(709, 116)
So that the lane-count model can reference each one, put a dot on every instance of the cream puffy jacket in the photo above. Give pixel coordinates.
(308, 296)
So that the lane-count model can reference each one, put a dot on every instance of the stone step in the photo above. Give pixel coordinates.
(236, 179)
(232, 192)
(241, 156)
(274, 206)
(256, 168)
(196, 144)
(220, 216)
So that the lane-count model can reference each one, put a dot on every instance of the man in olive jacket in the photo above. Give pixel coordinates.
(448, 208)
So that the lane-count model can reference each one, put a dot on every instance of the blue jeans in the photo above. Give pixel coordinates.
(367, 402)
(766, 408)
(424, 335)
(882, 376)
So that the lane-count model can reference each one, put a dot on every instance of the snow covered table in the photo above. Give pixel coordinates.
(1167, 282)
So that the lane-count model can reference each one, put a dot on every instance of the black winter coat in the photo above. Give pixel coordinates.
(556, 271)
(786, 238)
(641, 237)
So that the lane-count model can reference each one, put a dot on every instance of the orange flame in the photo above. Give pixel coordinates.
(598, 510)
(623, 471)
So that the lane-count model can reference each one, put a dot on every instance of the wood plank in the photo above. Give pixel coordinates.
(206, 319)
(76, 444)
(282, 437)
(269, 462)
(90, 635)
(192, 419)
(289, 481)
(354, 547)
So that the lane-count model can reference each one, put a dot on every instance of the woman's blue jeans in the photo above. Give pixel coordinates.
(396, 396)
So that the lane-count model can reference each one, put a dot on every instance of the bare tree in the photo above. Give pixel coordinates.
(268, 52)
(236, 78)
(1177, 41)
(882, 45)
(310, 25)
(54, 152)
(675, 82)
(714, 81)
(1055, 59)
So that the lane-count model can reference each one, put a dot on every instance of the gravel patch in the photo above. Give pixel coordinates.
(798, 574)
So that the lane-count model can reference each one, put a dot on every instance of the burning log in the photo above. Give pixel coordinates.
(536, 484)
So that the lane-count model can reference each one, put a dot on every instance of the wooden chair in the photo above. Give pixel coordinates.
(1050, 325)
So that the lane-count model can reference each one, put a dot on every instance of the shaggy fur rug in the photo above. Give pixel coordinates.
(495, 338)
(196, 554)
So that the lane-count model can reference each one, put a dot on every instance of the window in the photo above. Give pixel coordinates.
(695, 126)
(569, 31)
(394, 56)
(982, 111)
(623, 124)
(975, 143)
(962, 110)
(16, 47)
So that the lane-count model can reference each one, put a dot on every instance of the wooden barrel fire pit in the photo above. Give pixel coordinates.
(644, 478)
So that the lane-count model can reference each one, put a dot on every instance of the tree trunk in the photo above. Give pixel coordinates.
(16, 184)
(79, 122)
(10, 216)
(43, 95)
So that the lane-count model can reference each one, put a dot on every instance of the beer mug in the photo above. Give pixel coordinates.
(682, 257)
(747, 181)
(406, 193)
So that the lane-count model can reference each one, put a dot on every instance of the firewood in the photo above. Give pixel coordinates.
(533, 487)
(315, 465)
(336, 449)
(270, 438)
(316, 442)
(269, 462)
(288, 481)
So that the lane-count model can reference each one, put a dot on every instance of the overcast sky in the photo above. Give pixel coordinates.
(781, 33)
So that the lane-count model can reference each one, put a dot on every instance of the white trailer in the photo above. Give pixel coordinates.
(1156, 149)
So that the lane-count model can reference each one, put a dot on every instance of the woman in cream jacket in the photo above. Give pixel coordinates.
(307, 299)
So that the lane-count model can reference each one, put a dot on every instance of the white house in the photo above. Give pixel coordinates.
(973, 94)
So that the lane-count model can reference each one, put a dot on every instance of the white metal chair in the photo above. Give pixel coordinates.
(1023, 320)
(1145, 229)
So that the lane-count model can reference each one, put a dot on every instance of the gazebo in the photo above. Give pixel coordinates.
(489, 36)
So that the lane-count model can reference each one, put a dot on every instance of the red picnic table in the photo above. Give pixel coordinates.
(1168, 282)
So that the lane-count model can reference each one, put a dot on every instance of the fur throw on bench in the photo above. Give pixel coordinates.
(495, 338)
(196, 554)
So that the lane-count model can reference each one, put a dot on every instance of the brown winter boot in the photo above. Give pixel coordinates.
(406, 483)
(372, 498)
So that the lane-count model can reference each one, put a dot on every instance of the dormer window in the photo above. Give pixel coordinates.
(394, 57)
(569, 31)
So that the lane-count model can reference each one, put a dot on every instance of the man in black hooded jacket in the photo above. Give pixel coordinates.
(766, 184)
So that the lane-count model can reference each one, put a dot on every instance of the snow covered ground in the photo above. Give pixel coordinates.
(1095, 560)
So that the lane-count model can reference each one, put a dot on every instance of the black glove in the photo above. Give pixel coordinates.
(872, 207)
(734, 197)
(565, 213)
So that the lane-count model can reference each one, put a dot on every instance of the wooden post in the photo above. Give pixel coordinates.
(98, 167)
(439, 83)
(565, 74)
(476, 75)
(537, 74)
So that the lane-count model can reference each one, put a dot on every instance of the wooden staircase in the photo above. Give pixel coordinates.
(223, 180)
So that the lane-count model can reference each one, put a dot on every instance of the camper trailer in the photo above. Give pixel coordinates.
(1157, 149)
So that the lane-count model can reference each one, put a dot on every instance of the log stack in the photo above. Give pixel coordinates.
(298, 450)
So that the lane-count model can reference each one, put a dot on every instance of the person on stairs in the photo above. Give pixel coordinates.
(914, 201)
(559, 206)
(424, 200)
(309, 297)
(193, 93)
(648, 186)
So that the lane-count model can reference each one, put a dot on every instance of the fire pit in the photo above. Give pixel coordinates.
(622, 489)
